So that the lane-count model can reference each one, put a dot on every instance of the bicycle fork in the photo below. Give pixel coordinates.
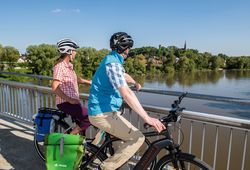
(175, 151)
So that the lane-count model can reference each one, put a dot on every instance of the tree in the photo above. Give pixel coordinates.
(231, 63)
(1, 52)
(168, 63)
(215, 62)
(88, 59)
(136, 65)
(129, 66)
(1, 57)
(185, 64)
(10, 55)
(140, 64)
(41, 58)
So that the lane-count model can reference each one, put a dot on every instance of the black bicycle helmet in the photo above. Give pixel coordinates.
(65, 46)
(120, 41)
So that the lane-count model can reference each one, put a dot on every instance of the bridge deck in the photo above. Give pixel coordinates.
(16, 146)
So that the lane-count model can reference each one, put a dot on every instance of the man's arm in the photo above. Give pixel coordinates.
(131, 99)
(129, 80)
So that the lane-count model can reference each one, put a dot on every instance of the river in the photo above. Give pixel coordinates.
(232, 83)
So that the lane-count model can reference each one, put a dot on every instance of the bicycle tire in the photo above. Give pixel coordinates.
(184, 160)
(39, 146)
(89, 151)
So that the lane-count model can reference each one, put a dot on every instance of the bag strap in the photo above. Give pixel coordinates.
(41, 120)
(61, 146)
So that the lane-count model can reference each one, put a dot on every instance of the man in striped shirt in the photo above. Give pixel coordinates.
(109, 88)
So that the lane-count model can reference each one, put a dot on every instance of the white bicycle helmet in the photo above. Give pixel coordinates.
(65, 46)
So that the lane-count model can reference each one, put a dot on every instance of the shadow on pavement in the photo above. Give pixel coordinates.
(17, 150)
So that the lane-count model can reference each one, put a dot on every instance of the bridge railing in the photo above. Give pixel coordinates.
(223, 142)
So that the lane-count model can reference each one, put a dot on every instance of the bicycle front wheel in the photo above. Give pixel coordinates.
(183, 161)
(60, 127)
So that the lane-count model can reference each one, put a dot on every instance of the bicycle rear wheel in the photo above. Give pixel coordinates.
(60, 127)
(183, 161)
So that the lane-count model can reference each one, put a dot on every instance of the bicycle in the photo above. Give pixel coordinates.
(175, 159)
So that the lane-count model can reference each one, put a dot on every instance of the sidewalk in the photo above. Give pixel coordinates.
(17, 150)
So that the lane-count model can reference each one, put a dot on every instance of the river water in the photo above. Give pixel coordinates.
(234, 84)
(223, 83)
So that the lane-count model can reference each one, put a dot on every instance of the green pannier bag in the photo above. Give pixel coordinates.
(63, 151)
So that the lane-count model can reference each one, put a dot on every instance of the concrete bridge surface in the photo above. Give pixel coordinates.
(17, 150)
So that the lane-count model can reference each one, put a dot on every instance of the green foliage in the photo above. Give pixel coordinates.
(201, 62)
(136, 65)
(168, 63)
(185, 64)
(238, 62)
(10, 56)
(171, 59)
(129, 66)
(1, 57)
(87, 60)
(1, 53)
(146, 51)
(22, 65)
(217, 62)
(41, 58)
(140, 64)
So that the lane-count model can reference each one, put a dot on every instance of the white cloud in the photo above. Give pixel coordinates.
(77, 10)
(56, 11)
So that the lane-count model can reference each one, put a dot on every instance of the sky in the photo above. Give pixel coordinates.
(215, 26)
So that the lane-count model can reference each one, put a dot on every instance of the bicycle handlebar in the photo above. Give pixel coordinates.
(173, 113)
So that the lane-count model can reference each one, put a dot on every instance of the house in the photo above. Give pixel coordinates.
(22, 59)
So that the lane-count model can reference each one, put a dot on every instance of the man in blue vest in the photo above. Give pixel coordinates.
(109, 88)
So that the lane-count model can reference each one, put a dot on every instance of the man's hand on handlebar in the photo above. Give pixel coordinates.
(155, 123)
(137, 86)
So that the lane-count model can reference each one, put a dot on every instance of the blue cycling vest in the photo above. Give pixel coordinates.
(103, 96)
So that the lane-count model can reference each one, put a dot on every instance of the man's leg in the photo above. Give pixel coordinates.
(118, 126)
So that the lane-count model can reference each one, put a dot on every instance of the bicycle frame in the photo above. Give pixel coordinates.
(154, 149)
